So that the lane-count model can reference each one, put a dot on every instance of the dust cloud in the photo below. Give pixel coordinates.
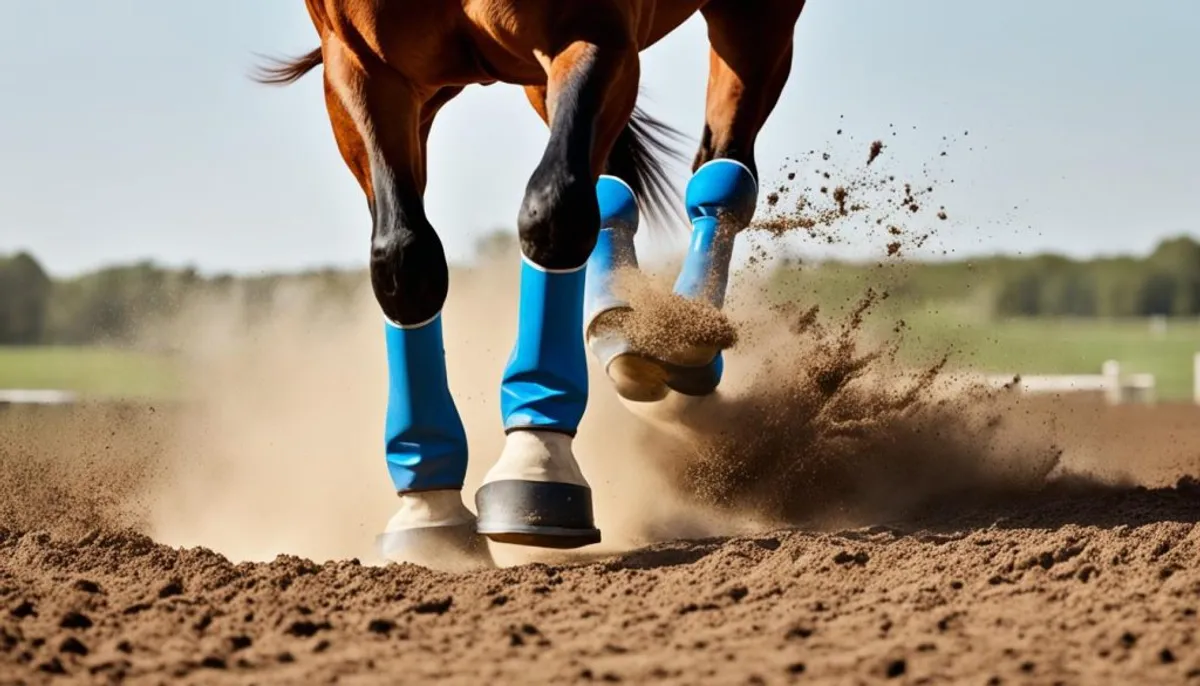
(278, 446)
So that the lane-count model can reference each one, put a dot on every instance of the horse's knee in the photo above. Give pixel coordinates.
(559, 218)
(409, 273)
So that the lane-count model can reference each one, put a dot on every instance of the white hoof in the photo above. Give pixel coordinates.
(434, 529)
(537, 456)
(536, 495)
(429, 509)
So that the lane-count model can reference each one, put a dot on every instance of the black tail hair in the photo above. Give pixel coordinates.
(285, 71)
(638, 158)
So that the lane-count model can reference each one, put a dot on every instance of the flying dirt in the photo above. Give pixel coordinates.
(831, 515)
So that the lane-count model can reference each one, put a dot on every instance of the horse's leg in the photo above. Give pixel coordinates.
(380, 122)
(749, 63)
(614, 251)
(536, 494)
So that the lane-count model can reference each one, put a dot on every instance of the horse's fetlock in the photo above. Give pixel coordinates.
(559, 220)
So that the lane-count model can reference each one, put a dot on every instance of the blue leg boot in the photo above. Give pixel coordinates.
(426, 449)
(636, 376)
(536, 494)
(721, 199)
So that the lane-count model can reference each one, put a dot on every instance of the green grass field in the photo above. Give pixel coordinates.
(1061, 346)
(1016, 346)
(93, 371)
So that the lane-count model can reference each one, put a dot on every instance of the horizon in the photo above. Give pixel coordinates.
(1081, 141)
(471, 260)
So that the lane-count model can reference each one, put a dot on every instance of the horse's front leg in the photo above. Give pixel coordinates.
(749, 63)
(536, 493)
(380, 121)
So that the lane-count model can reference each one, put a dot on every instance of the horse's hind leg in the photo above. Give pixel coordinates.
(536, 494)
(380, 122)
(749, 63)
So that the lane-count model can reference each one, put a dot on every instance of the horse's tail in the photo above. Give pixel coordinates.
(285, 71)
(639, 158)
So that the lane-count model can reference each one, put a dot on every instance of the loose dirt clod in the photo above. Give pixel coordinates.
(876, 149)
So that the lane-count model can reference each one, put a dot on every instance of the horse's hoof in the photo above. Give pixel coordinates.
(644, 379)
(543, 514)
(433, 529)
(695, 380)
(536, 495)
(444, 548)
(637, 378)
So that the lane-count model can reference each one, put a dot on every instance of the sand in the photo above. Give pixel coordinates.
(1072, 584)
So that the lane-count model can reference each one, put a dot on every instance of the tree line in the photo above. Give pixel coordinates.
(1166, 282)
(111, 305)
(115, 304)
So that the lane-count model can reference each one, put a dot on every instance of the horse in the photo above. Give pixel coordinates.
(389, 67)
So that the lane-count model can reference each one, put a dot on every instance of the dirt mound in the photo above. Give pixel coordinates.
(988, 595)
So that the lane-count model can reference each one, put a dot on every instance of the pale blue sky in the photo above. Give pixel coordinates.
(128, 128)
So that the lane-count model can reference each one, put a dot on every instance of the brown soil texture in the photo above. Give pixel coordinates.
(1073, 583)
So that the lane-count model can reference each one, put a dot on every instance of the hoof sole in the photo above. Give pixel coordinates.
(548, 537)
(641, 378)
(695, 381)
(446, 548)
(536, 513)
(638, 378)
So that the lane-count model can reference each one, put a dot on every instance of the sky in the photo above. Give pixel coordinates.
(129, 129)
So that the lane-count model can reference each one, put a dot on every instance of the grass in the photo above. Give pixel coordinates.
(1029, 346)
(1062, 346)
(92, 371)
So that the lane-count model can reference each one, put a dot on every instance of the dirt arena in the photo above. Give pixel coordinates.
(828, 519)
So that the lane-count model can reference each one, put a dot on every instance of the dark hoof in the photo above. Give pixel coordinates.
(536, 513)
(446, 548)
(640, 377)
(695, 381)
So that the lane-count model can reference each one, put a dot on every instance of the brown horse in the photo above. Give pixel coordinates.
(389, 67)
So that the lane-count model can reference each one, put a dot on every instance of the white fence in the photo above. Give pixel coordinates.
(1116, 388)
(17, 396)
(1196, 379)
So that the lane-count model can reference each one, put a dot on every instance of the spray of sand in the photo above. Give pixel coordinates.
(73, 470)
(817, 426)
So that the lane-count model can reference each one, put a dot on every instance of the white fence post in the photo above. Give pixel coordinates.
(1196, 378)
(1112, 377)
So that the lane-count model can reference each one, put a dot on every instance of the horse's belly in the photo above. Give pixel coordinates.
(513, 35)
(661, 17)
